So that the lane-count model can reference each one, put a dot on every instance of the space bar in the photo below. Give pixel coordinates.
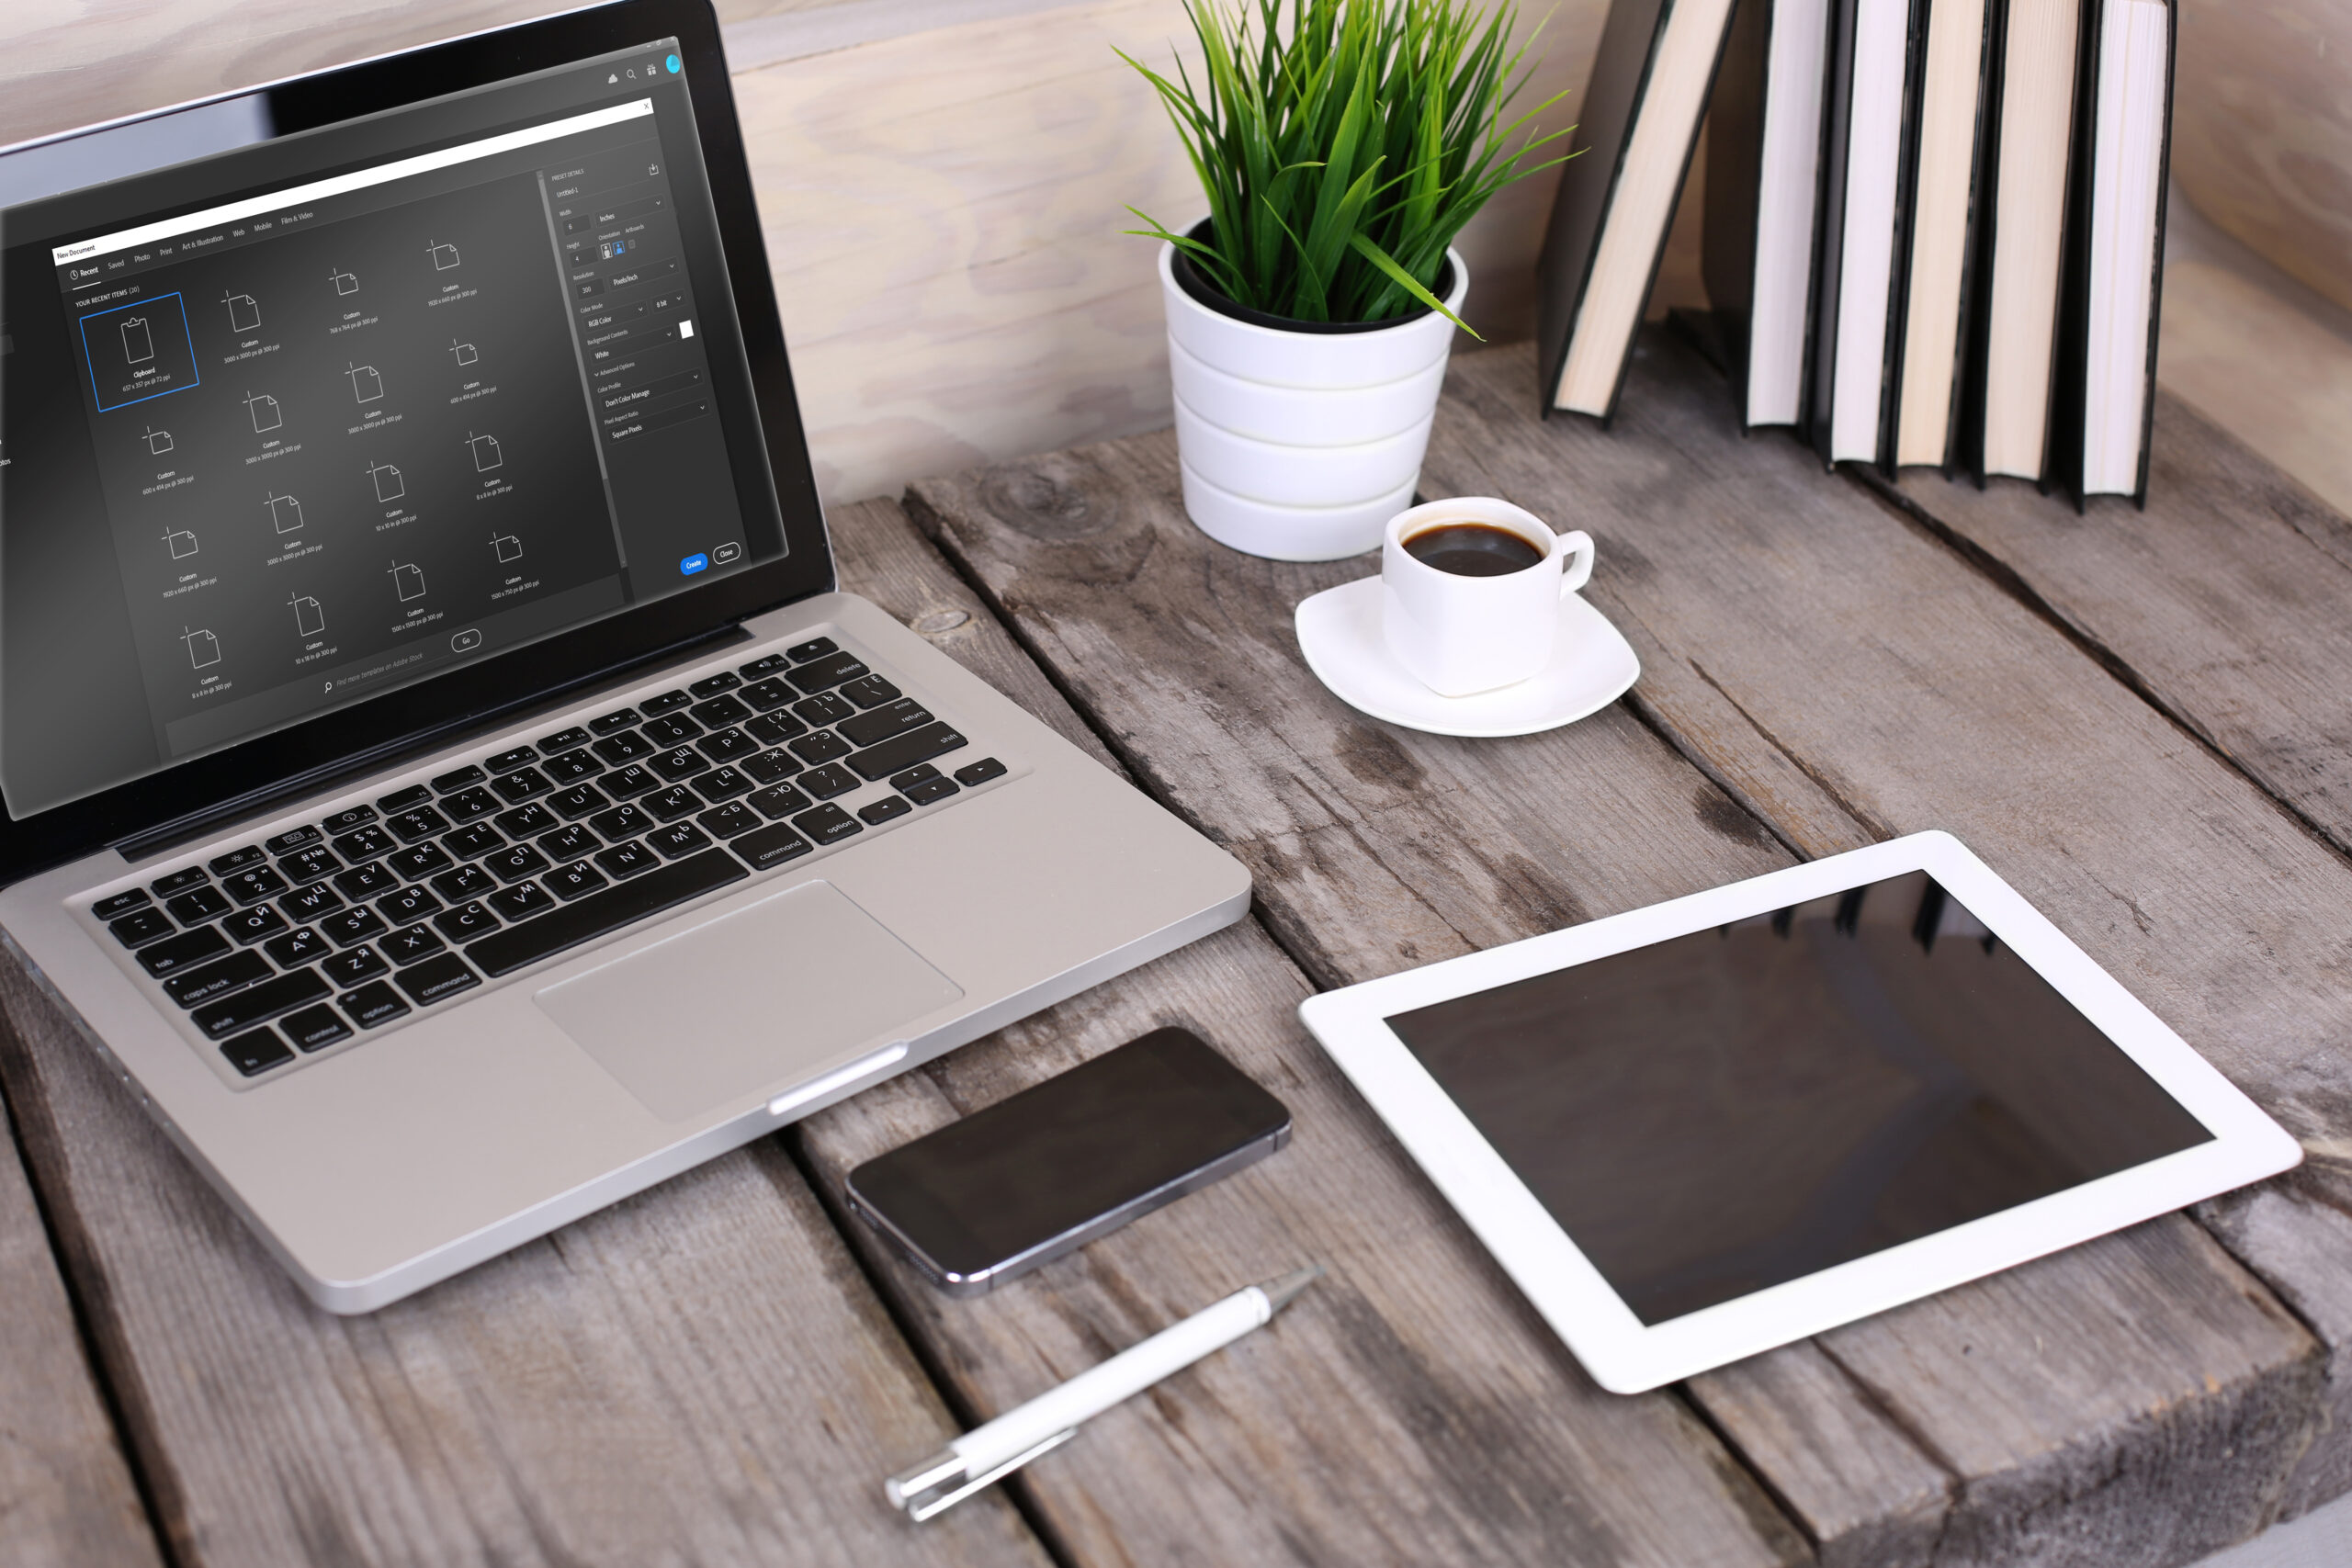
(600, 914)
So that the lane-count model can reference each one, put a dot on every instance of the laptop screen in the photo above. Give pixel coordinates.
(316, 416)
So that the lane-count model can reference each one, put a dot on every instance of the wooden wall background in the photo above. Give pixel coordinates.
(943, 182)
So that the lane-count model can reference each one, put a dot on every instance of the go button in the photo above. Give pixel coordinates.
(465, 641)
(693, 564)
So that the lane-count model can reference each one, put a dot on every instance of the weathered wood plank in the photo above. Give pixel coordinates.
(66, 1496)
(1920, 694)
(1410, 1409)
(1377, 848)
(699, 1374)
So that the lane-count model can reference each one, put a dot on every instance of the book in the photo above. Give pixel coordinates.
(1650, 81)
(1872, 93)
(2105, 401)
(1936, 275)
(1764, 162)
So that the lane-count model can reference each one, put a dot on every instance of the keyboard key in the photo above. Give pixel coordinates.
(827, 782)
(891, 719)
(368, 880)
(829, 824)
(673, 803)
(905, 750)
(727, 745)
(508, 761)
(436, 980)
(528, 821)
(635, 779)
(258, 1004)
(818, 674)
(570, 843)
(255, 1052)
(411, 944)
(371, 1005)
(307, 903)
(467, 804)
(178, 882)
(825, 709)
(724, 785)
(884, 810)
(348, 926)
(418, 863)
(522, 784)
(921, 773)
(774, 728)
(308, 865)
(572, 767)
(778, 800)
(822, 747)
(870, 691)
(579, 800)
(627, 748)
(472, 839)
(314, 1029)
(771, 845)
(193, 988)
(600, 914)
(290, 841)
(248, 925)
(401, 799)
(621, 822)
(175, 954)
(348, 969)
(344, 821)
(678, 838)
(930, 791)
(711, 685)
(363, 845)
(466, 923)
(663, 703)
(521, 901)
(979, 773)
(619, 719)
(466, 882)
(296, 948)
(759, 667)
(675, 730)
(624, 861)
(575, 881)
(562, 741)
(719, 712)
(450, 784)
(815, 647)
(771, 767)
(407, 904)
(253, 885)
(515, 862)
(141, 927)
(420, 822)
(728, 820)
(199, 905)
(767, 694)
(235, 860)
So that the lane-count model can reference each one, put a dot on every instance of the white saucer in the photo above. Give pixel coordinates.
(1339, 630)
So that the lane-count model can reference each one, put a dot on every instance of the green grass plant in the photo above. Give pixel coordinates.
(1341, 157)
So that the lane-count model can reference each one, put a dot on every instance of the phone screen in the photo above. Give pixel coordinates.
(1071, 1158)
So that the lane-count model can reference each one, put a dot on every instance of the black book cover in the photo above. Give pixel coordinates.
(1967, 449)
(1734, 181)
(1837, 123)
(1898, 277)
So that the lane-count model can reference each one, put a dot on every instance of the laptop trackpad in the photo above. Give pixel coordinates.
(755, 1000)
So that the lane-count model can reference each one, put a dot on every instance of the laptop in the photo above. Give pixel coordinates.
(441, 775)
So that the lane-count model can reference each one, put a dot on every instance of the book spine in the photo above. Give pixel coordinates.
(2157, 283)
(1968, 421)
(2062, 458)
(1835, 126)
(1734, 178)
(1906, 184)
(1980, 210)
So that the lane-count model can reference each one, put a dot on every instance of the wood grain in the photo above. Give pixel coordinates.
(1409, 1409)
(699, 1374)
(1920, 694)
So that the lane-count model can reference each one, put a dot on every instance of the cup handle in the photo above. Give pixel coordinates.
(1577, 544)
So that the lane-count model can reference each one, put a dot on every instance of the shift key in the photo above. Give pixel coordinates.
(904, 751)
(259, 1004)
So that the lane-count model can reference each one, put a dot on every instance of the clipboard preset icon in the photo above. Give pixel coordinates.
(137, 343)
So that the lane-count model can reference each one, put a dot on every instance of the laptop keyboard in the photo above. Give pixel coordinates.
(287, 946)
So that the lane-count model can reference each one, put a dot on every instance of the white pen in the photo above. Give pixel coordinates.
(988, 1453)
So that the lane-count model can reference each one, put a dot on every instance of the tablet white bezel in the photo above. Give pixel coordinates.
(1626, 1355)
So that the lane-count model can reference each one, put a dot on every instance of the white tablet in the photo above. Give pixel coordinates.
(1697, 1131)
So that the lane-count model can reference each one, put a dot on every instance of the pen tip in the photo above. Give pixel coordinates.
(1281, 1293)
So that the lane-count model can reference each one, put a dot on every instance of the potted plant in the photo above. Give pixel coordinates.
(1310, 313)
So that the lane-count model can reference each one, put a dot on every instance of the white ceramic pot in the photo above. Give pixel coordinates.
(1301, 446)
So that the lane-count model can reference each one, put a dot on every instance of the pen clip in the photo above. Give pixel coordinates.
(922, 1505)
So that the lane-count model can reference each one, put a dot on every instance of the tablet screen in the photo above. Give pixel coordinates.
(1731, 1109)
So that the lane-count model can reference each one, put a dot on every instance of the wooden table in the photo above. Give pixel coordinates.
(2143, 720)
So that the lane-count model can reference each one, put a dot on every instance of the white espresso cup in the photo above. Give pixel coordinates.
(1462, 634)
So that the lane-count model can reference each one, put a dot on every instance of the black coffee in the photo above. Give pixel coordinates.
(1473, 550)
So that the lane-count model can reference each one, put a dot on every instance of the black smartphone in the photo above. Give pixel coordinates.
(1044, 1171)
